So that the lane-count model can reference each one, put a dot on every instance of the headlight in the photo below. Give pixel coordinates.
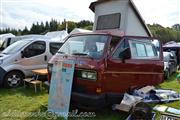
(1, 61)
(92, 75)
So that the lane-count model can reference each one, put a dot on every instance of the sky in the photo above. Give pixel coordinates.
(20, 13)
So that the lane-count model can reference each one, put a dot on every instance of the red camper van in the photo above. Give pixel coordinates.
(108, 65)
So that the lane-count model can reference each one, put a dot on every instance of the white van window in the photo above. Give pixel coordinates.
(140, 49)
(15, 47)
(35, 49)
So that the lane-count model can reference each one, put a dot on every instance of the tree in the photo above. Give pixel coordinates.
(84, 23)
(25, 31)
(53, 25)
(47, 27)
(176, 27)
(165, 34)
(70, 24)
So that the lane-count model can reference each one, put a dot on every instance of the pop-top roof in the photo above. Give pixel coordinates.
(131, 3)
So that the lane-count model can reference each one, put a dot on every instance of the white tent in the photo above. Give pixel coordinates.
(79, 30)
(57, 35)
(3, 36)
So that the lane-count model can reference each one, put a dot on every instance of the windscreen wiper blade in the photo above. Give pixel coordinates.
(4, 53)
(61, 52)
(82, 54)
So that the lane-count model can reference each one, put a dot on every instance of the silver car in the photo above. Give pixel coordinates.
(170, 64)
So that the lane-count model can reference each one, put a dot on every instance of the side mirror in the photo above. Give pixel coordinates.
(125, 54)
(172, 60)
(1, 49)
(22, 54)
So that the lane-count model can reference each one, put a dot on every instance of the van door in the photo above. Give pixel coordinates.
(143, 68)
(34, 56)
(116, 74)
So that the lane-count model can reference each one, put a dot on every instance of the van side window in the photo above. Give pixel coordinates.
(54, 47)
(35, 49)
(123, 45)
(142, 50)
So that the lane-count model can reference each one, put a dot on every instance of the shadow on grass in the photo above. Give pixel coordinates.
(29, 92)
(170, 80)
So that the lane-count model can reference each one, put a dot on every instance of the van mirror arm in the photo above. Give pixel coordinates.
(22, 54)
(1, 48)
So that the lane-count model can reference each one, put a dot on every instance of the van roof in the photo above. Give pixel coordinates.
(37, 37)
(112, 32)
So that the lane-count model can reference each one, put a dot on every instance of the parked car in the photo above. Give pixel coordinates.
(107, 65)
(170, 64)
(17, 60)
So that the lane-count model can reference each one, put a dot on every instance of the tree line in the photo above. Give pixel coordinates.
(166, 34)
(163, 33)
(53, 25)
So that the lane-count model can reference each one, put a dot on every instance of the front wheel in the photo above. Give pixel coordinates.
(13, 79)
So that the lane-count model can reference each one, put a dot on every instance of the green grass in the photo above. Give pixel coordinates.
(21, 100)
(172, 83)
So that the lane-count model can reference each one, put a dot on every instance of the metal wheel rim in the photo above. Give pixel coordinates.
(14, 80)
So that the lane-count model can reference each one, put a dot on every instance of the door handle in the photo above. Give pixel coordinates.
(45, 58)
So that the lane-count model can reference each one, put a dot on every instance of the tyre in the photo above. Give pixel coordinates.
(13, 79)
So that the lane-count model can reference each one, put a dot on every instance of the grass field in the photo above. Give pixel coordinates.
(24, 104)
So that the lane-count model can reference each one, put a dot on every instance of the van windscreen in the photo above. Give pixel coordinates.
(15, 47)
(85, 45)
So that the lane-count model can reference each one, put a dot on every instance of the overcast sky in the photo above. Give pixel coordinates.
(21, 13)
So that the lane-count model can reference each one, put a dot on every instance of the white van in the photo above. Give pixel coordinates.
(17, 60)
(8, 40)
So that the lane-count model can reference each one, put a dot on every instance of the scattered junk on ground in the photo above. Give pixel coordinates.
(137, 103)
(151, 95)
(167, 113)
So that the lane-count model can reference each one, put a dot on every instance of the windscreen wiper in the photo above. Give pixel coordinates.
(61, 52)
(82, 54)
(4, 53)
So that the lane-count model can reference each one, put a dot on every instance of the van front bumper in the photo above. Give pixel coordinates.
(2, 74)
(86, 101)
